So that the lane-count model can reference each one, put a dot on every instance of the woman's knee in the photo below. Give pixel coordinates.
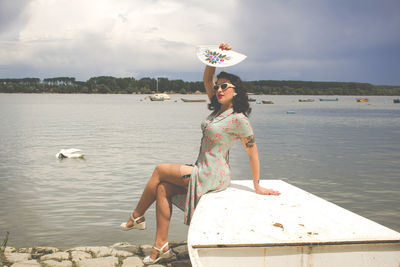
(160, 168)
(157, 173)
(163, 191)
(167, 190)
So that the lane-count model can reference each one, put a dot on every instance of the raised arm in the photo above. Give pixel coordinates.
(208, 80)
(250, 145)
(208, 77)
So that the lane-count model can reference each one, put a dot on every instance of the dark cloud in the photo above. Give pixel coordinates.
(321, 40)
(12, 14)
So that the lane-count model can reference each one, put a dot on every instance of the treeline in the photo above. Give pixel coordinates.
(112, 85)
(320, 88)
(98, 85)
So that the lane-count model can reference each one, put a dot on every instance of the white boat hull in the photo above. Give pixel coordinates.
(237, 227)
(361, 255)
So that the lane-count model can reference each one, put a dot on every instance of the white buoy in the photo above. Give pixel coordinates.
(70, 153)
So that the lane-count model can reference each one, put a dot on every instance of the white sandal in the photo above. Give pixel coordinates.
(136, 225)
(161, 255)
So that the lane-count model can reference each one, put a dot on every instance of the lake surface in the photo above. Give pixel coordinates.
(345, 152)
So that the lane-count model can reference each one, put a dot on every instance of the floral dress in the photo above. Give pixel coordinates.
(211, 172)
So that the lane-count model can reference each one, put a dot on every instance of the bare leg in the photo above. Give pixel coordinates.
(163, 213)
(170, 173)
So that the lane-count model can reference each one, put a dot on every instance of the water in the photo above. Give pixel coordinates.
(345, 152)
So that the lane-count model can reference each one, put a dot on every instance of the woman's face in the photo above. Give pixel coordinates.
(225, 97)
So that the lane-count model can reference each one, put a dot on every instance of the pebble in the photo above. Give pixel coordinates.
(53, 263)
(181, 252)
(132, 261)
(28, 263)
(17, 257)
(121, 254)
(109, 261)
(59, 256)
(79, 256)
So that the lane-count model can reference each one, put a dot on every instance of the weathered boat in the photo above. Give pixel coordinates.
(306, 100)
(267, 102)
(237, 227)
(362, 99)
(165, 96)
(193, 100)
(329, 99)
(157, 97)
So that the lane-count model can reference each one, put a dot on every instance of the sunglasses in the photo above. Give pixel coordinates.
(223, 86)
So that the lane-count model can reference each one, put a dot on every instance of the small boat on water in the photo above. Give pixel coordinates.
(165, 96)
(159, 97)
(306, 100)
(329, 99)
(267, 102)
(193, 100)
(361, 100)
(396, 101)
(156, 98)
(237, 227)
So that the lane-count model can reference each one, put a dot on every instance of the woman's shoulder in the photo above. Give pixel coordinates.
(240, 116)
(241, 125)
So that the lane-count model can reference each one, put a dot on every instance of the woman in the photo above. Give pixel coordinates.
(184, 185)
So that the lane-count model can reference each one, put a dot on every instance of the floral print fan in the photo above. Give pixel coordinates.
(211, 55)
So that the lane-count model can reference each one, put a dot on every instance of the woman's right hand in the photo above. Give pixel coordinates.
(209, 72)
(224, 46)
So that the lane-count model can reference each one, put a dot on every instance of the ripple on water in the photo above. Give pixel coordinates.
(343, 152)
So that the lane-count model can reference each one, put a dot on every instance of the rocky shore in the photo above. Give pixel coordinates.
(117, 255)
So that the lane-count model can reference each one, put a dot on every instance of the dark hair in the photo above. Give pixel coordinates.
(240, 101)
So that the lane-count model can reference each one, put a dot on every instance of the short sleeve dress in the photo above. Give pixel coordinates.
(211, 172)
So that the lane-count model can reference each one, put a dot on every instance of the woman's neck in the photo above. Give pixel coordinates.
(225, 108)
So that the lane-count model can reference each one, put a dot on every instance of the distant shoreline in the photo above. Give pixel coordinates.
(112, 85)
(198, 94)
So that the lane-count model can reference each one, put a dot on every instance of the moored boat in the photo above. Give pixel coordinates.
(159, 97)
(237, 227)
(165, 96)
(362, 100)
(329, 99)
(193, 100)
(306, 100)
(156, 98)
(267, 102)
(396, 101)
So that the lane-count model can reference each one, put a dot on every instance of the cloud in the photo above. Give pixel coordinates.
(318, 40)
(283, 39)
(102, 37)
(12, 17)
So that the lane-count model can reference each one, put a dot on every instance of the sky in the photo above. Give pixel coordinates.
(308, 40)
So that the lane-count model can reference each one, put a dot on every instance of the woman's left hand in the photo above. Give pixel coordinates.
(265, 191)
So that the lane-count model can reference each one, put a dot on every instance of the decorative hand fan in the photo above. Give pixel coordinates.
(211, 55)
